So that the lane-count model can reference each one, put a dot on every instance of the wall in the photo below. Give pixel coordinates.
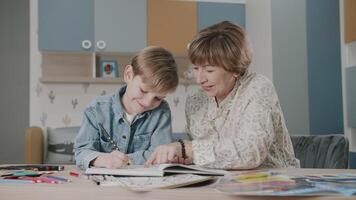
(289, 39)
(258, 27)
(348, 59)
(290, 69)
(324, 67)
(14, 79)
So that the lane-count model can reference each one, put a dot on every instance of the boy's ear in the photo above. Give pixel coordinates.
(128, 73)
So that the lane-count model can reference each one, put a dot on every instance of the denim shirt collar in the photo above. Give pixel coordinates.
(119, 108)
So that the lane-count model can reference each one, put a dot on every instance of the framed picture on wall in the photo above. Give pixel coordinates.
(109, 69)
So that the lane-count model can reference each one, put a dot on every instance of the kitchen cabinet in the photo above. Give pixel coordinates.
(64, 25)
(171, 24)
(210, 13)
(92, 25)
(116, 30)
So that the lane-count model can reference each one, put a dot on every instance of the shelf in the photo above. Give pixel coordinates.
(74, 80)
(90, 80)
(74, 68)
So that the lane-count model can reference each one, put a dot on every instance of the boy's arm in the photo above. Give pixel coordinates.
(161, 135)
(87, 143)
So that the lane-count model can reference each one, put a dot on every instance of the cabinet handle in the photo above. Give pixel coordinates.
(86, 44)
(101, 44)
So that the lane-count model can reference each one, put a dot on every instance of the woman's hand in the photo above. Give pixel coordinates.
(168, 153)
(112, 160)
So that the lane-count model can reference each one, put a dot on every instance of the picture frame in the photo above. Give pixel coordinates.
(108, 69)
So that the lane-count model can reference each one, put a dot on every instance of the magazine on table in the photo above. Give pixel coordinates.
(282, 185)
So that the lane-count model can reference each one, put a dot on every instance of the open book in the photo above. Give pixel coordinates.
(156, 170)
(151, 183)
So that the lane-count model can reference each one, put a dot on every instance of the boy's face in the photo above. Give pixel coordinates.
(139, 97)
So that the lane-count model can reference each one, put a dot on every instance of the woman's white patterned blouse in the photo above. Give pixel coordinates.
(247, 130)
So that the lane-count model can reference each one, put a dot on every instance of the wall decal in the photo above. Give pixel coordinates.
(74, 103)
(66, 120)
(43, 119)
(38, 89)
(51, 96)
(85, 87)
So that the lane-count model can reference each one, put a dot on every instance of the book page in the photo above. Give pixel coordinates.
(190, 169)
(132, 170)
(150, 183)
(156, 170)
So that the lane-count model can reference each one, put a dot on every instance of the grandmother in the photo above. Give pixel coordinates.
(235, 121)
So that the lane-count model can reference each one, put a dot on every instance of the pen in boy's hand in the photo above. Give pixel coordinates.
(108, 137)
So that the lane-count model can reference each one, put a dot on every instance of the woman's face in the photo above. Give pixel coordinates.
(215, 81)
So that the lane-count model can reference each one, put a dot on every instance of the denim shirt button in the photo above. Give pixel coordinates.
(124, 136)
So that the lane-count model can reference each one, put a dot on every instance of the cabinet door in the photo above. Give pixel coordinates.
(210, 13)
(350, 20)
(64, 24)
(121, 25)
(171, 24)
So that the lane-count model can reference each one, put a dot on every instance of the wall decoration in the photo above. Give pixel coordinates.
(74, 103)
(66, 120)
(176, 101)
(38, 89)
(51, 96)
(109, 69)
(85, 87)
(43, 119)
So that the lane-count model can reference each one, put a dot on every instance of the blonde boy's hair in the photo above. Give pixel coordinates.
(157, 67)
(224, 45)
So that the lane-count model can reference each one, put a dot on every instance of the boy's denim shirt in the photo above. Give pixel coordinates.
(138, 140)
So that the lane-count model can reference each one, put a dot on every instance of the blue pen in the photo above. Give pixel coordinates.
(58, 178)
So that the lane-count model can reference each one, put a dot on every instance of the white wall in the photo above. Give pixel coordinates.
(259, 28)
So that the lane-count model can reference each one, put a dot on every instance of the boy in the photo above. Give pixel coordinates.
(125, 127)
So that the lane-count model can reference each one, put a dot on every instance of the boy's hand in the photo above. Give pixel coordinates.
(112, 160)
(167, 153)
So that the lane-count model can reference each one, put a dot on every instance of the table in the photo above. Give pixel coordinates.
(81, 188)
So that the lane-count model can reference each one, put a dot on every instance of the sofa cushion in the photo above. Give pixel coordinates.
(321, 151)
(60, 145)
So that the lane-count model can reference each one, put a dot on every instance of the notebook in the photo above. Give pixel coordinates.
(156, 170)
(151, 183)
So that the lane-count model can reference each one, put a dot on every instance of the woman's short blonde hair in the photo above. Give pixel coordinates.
(224, 45)
(157, 67)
